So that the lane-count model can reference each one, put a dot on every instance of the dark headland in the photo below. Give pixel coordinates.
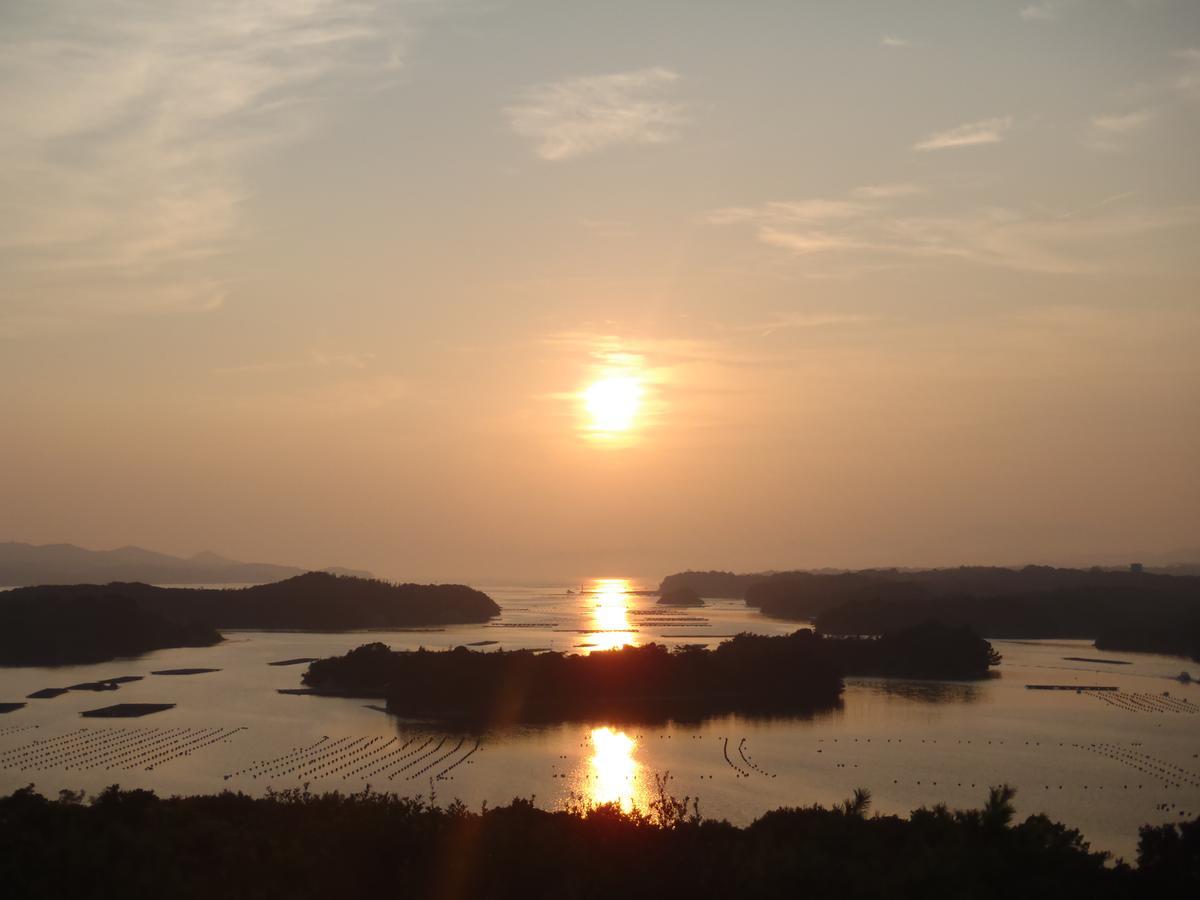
(61, 624)
(1118, 610)
(682, 596)
(795, 674)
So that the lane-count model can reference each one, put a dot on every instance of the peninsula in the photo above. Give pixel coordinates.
(55, 624)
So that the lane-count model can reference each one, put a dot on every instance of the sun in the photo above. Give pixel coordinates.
(612, 403)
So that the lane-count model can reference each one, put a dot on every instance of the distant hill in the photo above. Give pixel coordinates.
(712, 584)
(32, 564)
(315, 601)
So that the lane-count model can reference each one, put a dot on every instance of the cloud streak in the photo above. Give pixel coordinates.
(127, 140)
(860, 236)
(585, 115)
(972, 134)
(1123, 124)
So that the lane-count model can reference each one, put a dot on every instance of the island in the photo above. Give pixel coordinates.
(56, 625)
(48, 628)
(725, 585)
(681, 597)
(800, 673)
(1117, 609)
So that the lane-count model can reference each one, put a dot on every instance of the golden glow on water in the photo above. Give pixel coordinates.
(610, 614)
(615, 774)
(612, 404)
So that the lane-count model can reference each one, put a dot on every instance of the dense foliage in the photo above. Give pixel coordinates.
(1121, 610)
(727, 585)
(649, 682)
(796, 673)
(50, 629)
(927, 650)
(316, 601)
(133, 844)
(680, 596)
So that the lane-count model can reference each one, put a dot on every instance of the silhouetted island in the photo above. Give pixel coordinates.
(367, 845)
(43, 627)
(726, 585)
(1120, 610)
(52, 625)
(752, 674)
(681, 596)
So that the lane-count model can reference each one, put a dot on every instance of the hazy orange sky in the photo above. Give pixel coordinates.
(324, 282)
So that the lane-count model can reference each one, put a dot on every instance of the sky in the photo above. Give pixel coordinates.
(331, 282)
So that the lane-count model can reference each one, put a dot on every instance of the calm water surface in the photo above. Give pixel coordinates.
(1102, 763)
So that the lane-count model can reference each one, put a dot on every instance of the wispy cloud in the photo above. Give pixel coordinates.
(891, 41)
(1123, 124)
(579, 116)
(1084, 241)
(1039, 12)
(973, 134)
(127, 139)
(807, 320)
(1046, 10)
(1188, 81)
(789, 211)
(314, 360)
(887, 191)
(1113, 132)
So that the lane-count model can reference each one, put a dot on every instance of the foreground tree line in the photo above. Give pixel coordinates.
(299, 845)
(1119, 610)
(796, 673)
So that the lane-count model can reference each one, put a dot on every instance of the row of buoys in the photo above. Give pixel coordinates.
(438, 760)
(353, 757)
(390, 759)
(416, 759)
(1144, 762)
(465, 758)
(337, 758)
(390, 766)
(266, 765)
(1146, 702)
(322, 757)
(725, 750)
(372, 758)
(748, 761)
(75, 746)
(188, 747)
(115, 748)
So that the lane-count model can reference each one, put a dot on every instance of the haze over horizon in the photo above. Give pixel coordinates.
(471, 290)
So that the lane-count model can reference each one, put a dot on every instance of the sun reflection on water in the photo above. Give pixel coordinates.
(614, 771)
(610, 614)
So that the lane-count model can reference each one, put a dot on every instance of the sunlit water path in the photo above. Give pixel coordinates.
(1102, 762)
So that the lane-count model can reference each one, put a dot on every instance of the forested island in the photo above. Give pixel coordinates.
(722, 585)
(51, 629)
(1120, 610)
(751, 674)
(300, 845)
(57, 624)
(681, 597)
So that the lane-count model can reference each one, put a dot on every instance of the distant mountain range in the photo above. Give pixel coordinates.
(31, 564)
